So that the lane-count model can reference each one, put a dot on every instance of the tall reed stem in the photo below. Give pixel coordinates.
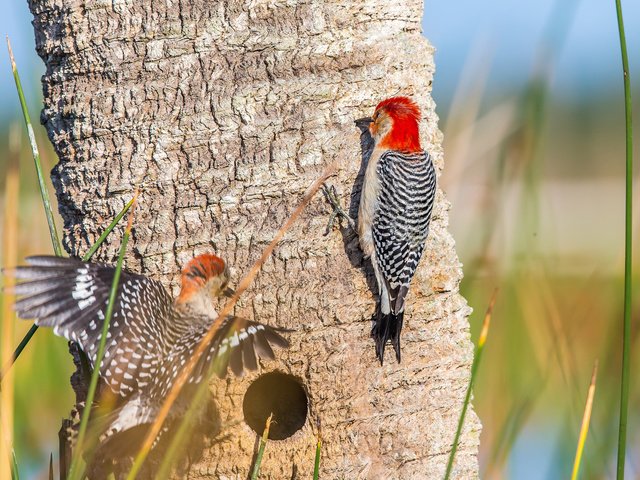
(263, 444)
(626, 333)
(316, 463)
(55, 240)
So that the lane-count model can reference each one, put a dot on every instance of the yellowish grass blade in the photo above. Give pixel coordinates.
(9, 257)
(179, 441)
(586, 418)
(263, 444)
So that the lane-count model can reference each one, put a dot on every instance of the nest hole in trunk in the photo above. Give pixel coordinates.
(280, 394)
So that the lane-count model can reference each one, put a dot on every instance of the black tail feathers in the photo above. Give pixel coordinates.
(387, 327)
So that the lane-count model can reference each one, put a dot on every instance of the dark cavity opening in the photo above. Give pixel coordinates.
(281, 395)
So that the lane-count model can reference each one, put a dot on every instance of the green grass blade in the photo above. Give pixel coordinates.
(51, 477)
(316, 463)
(474, 370)
(586, 418)
(76, 469)
(87, 256)
(55, 240)
(626, 338)
(15, 474)
(23, 343)
(263, 444)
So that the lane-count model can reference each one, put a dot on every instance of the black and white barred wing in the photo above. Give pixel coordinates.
(401, 219)
(238, 344)
(71, 296)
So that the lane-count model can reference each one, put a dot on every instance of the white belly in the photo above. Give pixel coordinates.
(368, 200)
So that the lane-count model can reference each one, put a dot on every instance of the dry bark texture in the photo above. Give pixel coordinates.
(228, 110)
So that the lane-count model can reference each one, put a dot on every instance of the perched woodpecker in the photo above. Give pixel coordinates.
(150, 337)
(395, 210)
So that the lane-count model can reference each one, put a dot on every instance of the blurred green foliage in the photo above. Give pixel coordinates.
(43, 395)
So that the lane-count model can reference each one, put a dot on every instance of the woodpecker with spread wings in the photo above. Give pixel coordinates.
(151, 336)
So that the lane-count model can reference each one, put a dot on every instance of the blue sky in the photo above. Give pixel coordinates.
(508, 34)
(505, 34)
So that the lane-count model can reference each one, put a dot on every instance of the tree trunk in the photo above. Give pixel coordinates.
(227, 111)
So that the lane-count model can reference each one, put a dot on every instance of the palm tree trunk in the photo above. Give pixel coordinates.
(227, 111)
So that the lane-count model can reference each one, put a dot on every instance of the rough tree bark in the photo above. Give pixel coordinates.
(228, 110)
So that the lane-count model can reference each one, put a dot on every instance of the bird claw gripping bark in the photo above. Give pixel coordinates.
(331, 196)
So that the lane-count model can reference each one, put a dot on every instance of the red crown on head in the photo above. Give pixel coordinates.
(405, 114)
(198, 271)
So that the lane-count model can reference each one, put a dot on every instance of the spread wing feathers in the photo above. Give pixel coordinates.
(71, 296)
(401, 219)
(238, 343)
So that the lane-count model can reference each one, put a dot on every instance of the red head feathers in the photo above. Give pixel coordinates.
(197, 273)
(403, 132)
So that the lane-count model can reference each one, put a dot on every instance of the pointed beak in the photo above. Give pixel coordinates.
(228, 292)
(363, 123)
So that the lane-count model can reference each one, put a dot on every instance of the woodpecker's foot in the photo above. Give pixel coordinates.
(331, 195)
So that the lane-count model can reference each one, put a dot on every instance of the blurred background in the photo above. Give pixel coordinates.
(530, 99)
